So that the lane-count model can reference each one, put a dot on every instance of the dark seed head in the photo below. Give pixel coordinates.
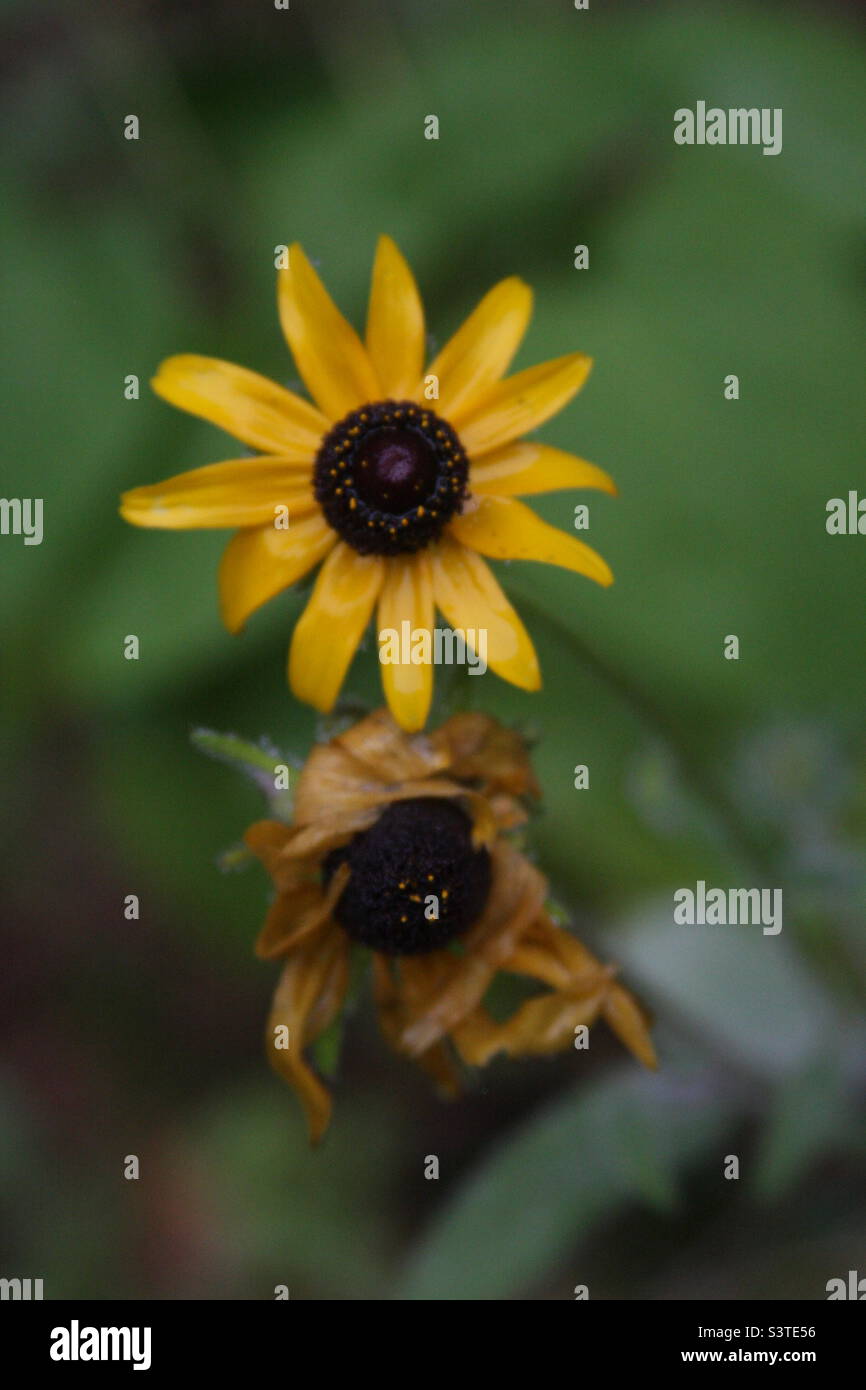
(416, 880)
(389, 476)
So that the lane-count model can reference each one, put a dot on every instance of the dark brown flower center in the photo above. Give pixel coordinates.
(416, 880)
(389, 476)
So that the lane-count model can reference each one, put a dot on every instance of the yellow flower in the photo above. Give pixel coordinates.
(400, 843)
(398, 497)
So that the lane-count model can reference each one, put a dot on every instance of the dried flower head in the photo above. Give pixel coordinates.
(400, 843)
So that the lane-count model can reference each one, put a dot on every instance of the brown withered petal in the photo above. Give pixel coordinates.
(430, 1002)
(269, 841)
(350, 772)
(516, 897)
(360, 809)
(390, 754)
(539, 962)
(392, 1005)
(628, 1021)
(294, 916)
(331, 780)
(553, 955)
(507, 811)
(537, 1028)
(482, 749)
(308, 996)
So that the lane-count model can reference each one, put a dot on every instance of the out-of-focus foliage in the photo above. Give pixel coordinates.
(260, 127)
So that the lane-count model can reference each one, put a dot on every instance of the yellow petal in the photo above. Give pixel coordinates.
(407, 597)
(522, 402)
(239, 492)
(470, 598)
(482, 348)
(395, 322)
(328, 352)
(505, 529)
(521, 470)
(261, 561)
(307, 998)
(247, 405)
(332, 624)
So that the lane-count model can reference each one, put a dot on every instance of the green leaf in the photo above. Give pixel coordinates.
(624, 1139)
(746, 995)
(809, 1112)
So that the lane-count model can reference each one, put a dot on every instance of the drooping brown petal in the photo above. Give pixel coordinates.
(330, 831)
(537, 1028)
(272, 843)
(630, 1024)
(338, 825)
(553, 955)
(331, 779)
(507, 811)
(266, 839)
(516, 897)
(308, 996)
(482, 749)
(295, 915)
(463, 734)
(540, 963)
(391, 1002)
(389, 753)
(336, 784)
(346, 782)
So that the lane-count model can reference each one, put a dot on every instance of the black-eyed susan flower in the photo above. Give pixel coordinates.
(400, 843)
(396, 480)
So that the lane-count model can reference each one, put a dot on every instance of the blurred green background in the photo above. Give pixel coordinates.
(259, 127)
